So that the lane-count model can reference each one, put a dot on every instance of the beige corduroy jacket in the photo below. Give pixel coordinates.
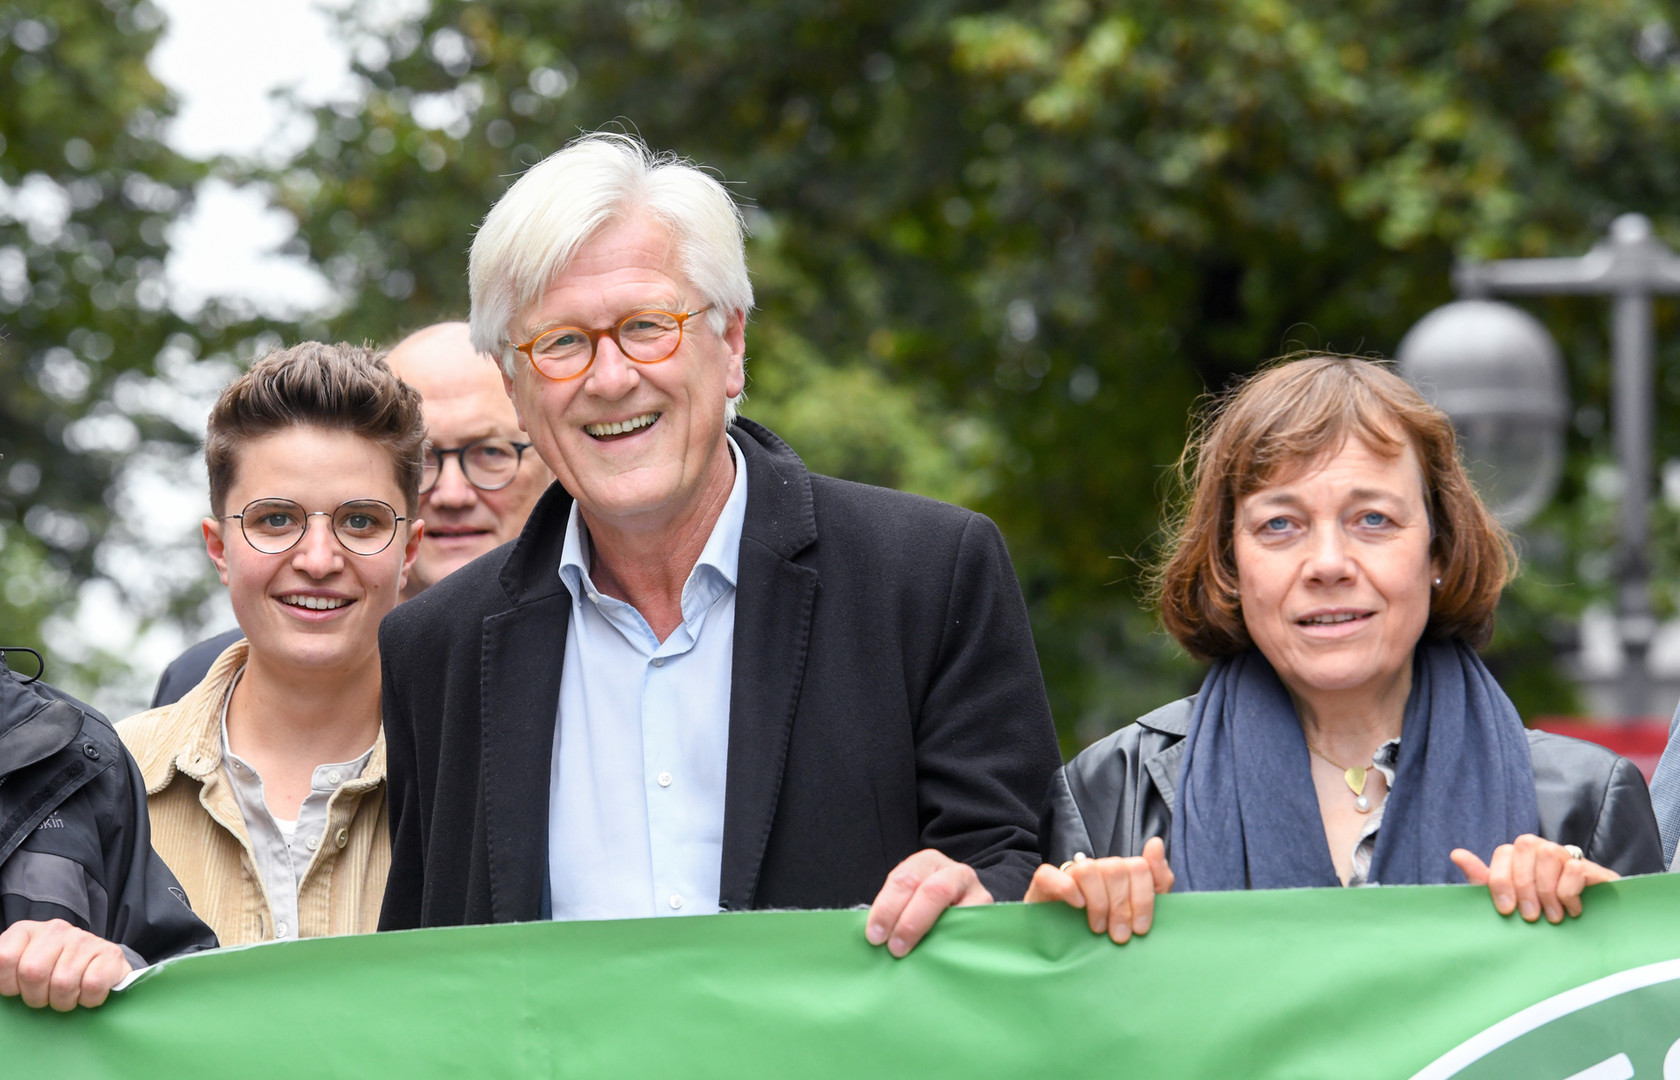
(198, 829)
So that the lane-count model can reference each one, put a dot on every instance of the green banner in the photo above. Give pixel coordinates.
(1310, 983)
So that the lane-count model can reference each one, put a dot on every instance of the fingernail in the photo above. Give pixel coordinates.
(1143, 925)
(1530, 911)
(898, 948)
(876, 933)
(1122, 934)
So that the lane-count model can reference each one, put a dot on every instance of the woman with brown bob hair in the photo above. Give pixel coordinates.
(1334, 562)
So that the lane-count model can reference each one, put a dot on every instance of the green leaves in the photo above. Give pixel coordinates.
(999, 249)
(86, 196)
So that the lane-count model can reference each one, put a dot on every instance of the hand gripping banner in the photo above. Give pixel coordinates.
(1427, 982)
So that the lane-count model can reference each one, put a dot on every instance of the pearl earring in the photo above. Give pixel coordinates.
(1437, 583)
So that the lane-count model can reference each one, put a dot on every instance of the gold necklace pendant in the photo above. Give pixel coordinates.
(1355, 777)
(1352, 775)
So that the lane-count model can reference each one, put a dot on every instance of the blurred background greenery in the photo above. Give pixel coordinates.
(1000, 251)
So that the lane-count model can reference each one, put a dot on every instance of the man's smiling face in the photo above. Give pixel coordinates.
(462, 398)
(636, 444)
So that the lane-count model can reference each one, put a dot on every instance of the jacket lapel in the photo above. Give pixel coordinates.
(774, 600)
(1172, 719)
(519, 691)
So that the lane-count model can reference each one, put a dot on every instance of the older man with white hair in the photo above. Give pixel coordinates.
(703, 679)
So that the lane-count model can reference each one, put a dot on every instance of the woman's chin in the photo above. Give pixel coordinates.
(316, 653)
(1350, 677)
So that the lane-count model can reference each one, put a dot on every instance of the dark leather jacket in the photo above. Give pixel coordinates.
(1120, 791)
(75, 841)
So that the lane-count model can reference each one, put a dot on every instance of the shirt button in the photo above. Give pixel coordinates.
(280, 930)
(664, 779)
(659, 661)
(676, 901)
(594, 598)
(314, 842)
(334, 777)
(342, 838)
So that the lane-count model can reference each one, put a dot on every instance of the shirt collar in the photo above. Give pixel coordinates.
(227, 699)
(723, 548)
(721, 554)
(352, 770)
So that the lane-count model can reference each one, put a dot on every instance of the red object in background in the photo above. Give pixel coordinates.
(1640, 741)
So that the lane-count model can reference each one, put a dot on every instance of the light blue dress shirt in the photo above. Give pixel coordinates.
(1665, 792)
(635, 821)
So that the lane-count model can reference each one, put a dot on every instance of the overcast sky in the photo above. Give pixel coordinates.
(223, 60)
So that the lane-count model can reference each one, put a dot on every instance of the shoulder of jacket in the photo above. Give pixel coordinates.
(1151, 734)
(848, 510)
(98, 730)
(852, 492)
(155, 737)
(95, 731)
(1578, 758)
(1173, 718)
(475, 588)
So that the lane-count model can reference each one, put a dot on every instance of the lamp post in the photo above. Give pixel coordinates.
(1630, 266)
(1496, 371)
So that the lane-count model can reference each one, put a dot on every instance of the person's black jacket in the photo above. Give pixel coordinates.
(1120, 791)
(885, 697)
(75, 840)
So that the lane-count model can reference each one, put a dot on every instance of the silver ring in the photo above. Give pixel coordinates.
(1574, 852)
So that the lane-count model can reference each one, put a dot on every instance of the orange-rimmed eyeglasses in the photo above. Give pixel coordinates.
(647, 337)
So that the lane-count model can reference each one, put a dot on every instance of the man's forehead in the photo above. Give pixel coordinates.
(630, 260)
(459, 408)
(440, 360)
(460, 389)
(452, 421)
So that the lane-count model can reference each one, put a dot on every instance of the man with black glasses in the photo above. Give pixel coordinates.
(480, 478)
(265, 784)
(478, 486)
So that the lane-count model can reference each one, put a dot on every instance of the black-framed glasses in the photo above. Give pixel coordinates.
(363, 526)
(647, 337)
(489, 464)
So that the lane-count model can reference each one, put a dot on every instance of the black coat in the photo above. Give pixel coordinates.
(886, 697)
(75, 840)
(1120, 792)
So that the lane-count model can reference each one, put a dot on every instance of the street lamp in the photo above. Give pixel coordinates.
(1630, 265)
(1494, 370)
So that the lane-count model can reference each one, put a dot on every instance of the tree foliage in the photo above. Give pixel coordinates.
(87, 194)
(1003, 249)
(1000, 249)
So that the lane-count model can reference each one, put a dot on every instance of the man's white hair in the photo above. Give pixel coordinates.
(532, 234)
